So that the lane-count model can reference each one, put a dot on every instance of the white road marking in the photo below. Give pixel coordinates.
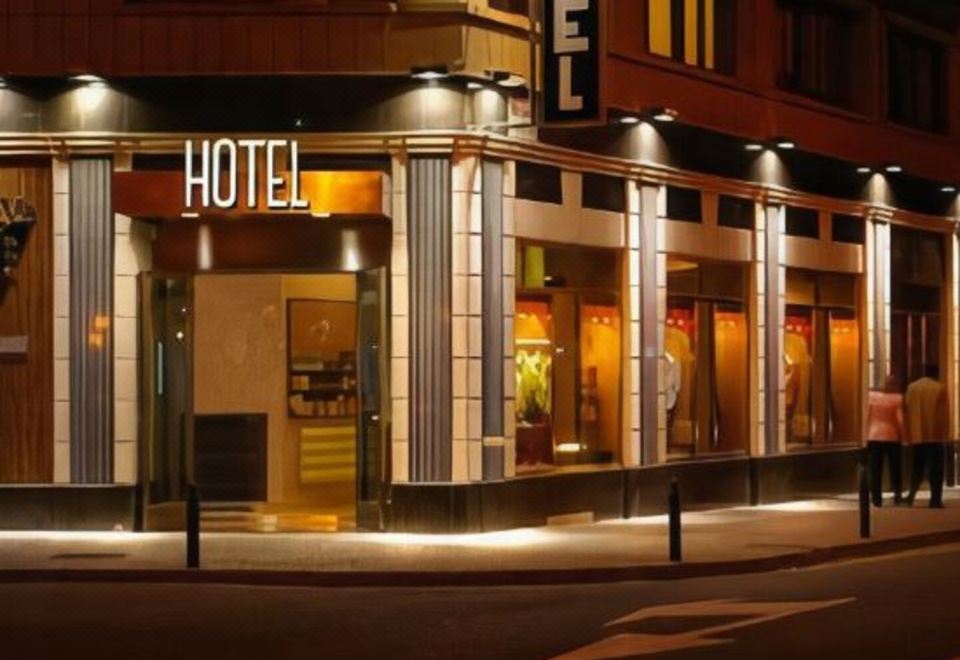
(633, 644)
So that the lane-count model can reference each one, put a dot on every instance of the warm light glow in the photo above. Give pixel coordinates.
(864, 170)
(568, 447)
(532, 341)
(948, 189)
(753, 146)
(629, 120)
(893, 169)
(505, 539)
(474, 85)
(189, 214)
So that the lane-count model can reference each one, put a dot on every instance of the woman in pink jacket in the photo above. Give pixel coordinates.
(885, 434)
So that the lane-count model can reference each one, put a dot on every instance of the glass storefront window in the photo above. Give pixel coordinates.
(821, 356)
(567, 341)
(706, 352)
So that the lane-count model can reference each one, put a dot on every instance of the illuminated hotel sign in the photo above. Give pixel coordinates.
(217, 175)
(571, 62)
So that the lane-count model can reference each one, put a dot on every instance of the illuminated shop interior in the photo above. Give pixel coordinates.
(567, 353)
(706, 353)
(821, 359)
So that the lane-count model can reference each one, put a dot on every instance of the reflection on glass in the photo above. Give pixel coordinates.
(914, 343)
(680, 349)
(730, 372)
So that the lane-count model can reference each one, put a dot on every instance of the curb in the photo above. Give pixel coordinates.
(485, 578)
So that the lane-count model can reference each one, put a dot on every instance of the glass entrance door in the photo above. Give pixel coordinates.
(166, 384)
(265, 390)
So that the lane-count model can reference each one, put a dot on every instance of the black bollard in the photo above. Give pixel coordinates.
(138, 507)
(864, 502)
(193, 527)
(676, 550)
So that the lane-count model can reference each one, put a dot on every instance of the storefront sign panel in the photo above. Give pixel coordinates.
(571, 62)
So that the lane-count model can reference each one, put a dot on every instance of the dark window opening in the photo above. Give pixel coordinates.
(917, 82)
(683, 204)
(802, 222)
(606, 193)
(822, 51)
(540, 183)
(736, 212)
(847, 229)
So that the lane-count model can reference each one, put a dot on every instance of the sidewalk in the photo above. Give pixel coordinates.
(735, 540)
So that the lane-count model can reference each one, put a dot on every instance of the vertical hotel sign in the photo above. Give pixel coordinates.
(572, 89)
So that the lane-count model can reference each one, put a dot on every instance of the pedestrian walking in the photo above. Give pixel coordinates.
(885, 437)
(927, 427)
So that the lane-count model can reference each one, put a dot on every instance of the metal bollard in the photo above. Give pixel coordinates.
(864, 502)
(676, 549)
(193, 527)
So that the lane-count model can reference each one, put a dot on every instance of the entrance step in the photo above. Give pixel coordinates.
(255, 517)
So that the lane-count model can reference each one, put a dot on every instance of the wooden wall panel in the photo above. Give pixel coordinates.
(26, 308)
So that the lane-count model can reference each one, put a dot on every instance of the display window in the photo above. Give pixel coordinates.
(821, 359)
(567, 350)
(705, 353)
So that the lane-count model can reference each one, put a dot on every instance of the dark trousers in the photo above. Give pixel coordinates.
(877, 453)
(928, 454)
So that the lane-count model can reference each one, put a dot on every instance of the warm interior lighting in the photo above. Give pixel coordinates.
(428, 72)
(568, 447)
(532, 341)
(320, 214)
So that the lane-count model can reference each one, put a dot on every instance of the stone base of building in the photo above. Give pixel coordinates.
(67, 507)
(606, 494)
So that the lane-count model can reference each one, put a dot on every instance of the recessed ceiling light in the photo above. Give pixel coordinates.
(948, 189)
(663, 114)
(189, 214)
(785, 143)
(87, 78)
(3, 83)
(863, 169)
(893, 169)
(428, 72)
(628, 119)
(320, 214)
(474, 85)
(753, 146)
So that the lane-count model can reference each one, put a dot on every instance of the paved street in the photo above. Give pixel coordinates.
(901, 607)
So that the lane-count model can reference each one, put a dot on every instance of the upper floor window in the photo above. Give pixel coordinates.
(916, 81)
(822, 49)
(700, 33)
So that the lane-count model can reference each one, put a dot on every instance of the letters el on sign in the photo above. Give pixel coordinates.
(571, 62)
